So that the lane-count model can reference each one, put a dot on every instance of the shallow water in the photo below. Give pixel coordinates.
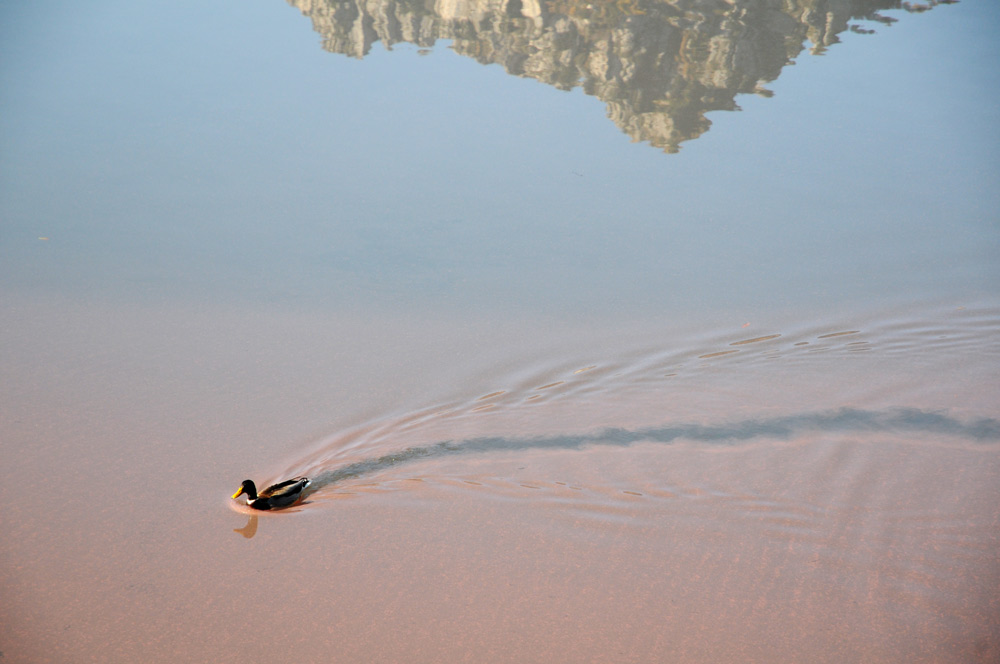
(727, 393)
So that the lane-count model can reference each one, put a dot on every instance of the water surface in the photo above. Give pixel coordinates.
(625, 332)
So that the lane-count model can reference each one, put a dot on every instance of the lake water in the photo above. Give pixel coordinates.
(625, 332)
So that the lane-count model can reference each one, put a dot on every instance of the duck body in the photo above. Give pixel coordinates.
(276, 496)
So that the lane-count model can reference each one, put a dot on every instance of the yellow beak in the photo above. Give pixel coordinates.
(238, 493)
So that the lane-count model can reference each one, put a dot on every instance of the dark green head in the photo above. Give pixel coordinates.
(249, 488)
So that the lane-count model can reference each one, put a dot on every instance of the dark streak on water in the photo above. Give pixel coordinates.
(845, 420)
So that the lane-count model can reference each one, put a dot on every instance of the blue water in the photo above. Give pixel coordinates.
(225, 156)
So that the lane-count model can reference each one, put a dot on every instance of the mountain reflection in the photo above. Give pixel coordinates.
(659, 65)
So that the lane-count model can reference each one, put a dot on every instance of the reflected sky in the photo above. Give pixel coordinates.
(224, 155)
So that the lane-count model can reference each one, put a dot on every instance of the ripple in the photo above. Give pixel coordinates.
(664, 368)
(755, 340)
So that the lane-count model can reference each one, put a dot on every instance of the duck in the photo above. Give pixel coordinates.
(276, 496)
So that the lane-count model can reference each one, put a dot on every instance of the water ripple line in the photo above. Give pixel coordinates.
(844, 420)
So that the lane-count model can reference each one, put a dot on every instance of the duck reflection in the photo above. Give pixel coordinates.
(250, 528)
(659, 65)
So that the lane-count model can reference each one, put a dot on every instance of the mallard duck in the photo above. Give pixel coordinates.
(275, 496)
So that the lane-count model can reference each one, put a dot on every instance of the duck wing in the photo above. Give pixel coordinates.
(286, 487)
(282, 495)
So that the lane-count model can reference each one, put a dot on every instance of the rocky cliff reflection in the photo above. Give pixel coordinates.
(660, 65)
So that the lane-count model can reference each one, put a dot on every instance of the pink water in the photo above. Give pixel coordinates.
(826, 493)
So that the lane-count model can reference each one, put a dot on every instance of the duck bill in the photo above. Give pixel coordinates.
(238, 493)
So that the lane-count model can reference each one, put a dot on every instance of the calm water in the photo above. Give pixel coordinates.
(630, 332)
